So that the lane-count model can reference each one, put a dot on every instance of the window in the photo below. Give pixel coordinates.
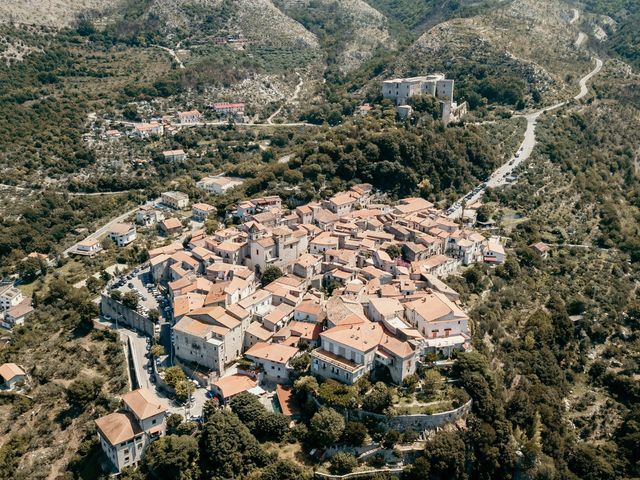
(153, 422)
(126, 459)
(126, 451)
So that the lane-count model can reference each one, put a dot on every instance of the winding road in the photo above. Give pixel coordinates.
(499, 176)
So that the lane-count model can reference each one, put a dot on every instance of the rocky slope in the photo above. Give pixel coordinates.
(533, 39)
(352, 27)
(52, 13)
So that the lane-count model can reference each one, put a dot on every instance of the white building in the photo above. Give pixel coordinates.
(145, 130)
(202, 211)
(401, 89)
(174, 155)
(125, 435)
(123, 233)
(217, 185)
(175, 200)
(435, 316)
(10, 297)
(189, 118)
(147, 215)
(211, 336)
(87, 247)
(274, 359)
(348, 352)
(11, 375)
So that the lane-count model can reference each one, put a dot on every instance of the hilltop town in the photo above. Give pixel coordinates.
(354, 285)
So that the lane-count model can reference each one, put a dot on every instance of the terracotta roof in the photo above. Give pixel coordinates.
(88, 242)
(203, 206)
(10, 370)
(257, 330)
(118, 427)
(171, 223)
(286, 401)
(361, 337)
(234, 384)
(121, 228)
(22, 309)
(272, 352)
(435, 306)
(144, 403)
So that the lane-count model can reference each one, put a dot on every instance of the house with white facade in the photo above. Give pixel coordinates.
(147, 216)
(125, 435)
(217, 185)
(123, 234)
(191, 117)
(175, 200)
(10, 296)
(87, 247)
(201, 211)
(174, 155)
(11, 376)
(274, 359)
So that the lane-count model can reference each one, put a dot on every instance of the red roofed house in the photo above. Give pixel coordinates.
(124, 435)
(273, 358)
(230, 386)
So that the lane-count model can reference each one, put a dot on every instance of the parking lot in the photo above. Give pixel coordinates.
(150, 297)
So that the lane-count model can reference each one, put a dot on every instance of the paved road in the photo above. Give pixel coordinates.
(105, 228)
(499, 176)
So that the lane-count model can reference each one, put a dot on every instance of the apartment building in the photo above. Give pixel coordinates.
(175, 200)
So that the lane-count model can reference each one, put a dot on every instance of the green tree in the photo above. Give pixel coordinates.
(173, 422)
(173, 376)
(93, 284)
(184, 389)
(354, 434)
(130, 300)
(248, 409)
(157, 350)
(446, 456)
(326, 427)
(301, 363)
(390, 438)
(272, 426)
(172, 458)
(394, 251)
(283, 470)
(29, 268)
(342, 463)
(378, 399)
(227, 448)
(84, 391)
(154, 315)
(270, 274)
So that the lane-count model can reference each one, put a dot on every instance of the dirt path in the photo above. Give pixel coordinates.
(173, 54)
(292, 99)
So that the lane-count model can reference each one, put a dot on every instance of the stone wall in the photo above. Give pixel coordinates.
(131, 318)
(418, 423)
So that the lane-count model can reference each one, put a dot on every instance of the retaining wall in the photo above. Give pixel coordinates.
(125, 315)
